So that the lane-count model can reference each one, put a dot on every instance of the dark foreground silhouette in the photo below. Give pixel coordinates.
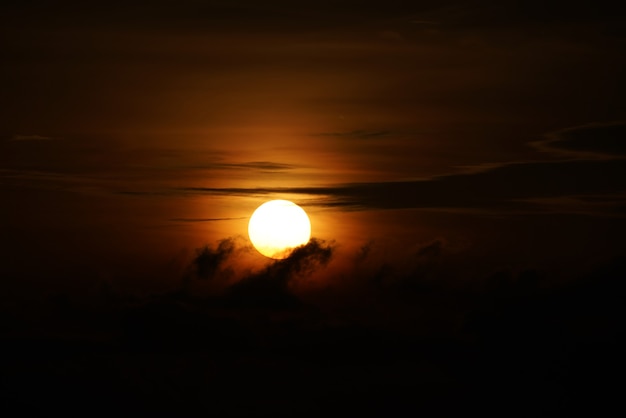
(520, 350)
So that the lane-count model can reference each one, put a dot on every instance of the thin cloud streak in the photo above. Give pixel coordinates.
(262, 166)
(500, 188)
(193, 220)
(19, 137)
(590, 141)
(357, 134)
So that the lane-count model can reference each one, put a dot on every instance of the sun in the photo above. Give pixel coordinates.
(277, 227)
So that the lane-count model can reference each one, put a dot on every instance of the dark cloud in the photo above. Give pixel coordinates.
(485, 15)
(502, 188)
(596, 139)
(516, 187)
(357, 134)
(269, 288)
(424, 22)
(364, 252)
(419, 276)
(261, 166)
(31, 138)
(204, 219)
(498, 188)
(264, 166)
(208, 260)
(237, 287)
(277, 15)
(431, 250)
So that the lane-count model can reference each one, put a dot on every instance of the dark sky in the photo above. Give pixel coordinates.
(462, 163)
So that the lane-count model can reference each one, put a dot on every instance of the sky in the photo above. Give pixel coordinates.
(462, 164)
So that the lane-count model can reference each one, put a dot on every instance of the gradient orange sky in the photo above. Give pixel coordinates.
(462, 162)
(136, 131)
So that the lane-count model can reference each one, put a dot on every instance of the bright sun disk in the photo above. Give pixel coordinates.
(278, 226)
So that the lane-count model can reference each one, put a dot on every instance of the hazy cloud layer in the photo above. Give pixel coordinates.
(263, 166)
(499, 188)
(357, 134)
(597, 140)
(204, 219)
(31, 138)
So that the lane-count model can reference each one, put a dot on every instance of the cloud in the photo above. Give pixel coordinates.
(263, 166)
(390, 36)
(233, 284)
(417, 274)
(501, 188)
(364, 252)
(597, 171)
(431, 250)
(19, 137)
(204, 219)
(269, 288)
(593, 140)
(357, 134)
(424, 22)
(208, 261)
(609, 205)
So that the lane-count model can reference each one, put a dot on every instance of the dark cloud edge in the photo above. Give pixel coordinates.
(31, 138)
(193, 220)
(561, 143)
(501, 188)
(356, 134)
(520, 187)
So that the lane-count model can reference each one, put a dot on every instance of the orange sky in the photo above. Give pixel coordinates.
(462, 162)
(157, 132)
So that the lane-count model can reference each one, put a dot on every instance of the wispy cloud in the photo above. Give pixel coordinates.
(556, 186)
(594, 140)
(357, 134)
(259, 165)
(424, 22)
(19, 137)
(50, 180)
(204, 219)
(500, 188)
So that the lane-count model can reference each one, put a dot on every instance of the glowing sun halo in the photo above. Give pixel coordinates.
(278, 226)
